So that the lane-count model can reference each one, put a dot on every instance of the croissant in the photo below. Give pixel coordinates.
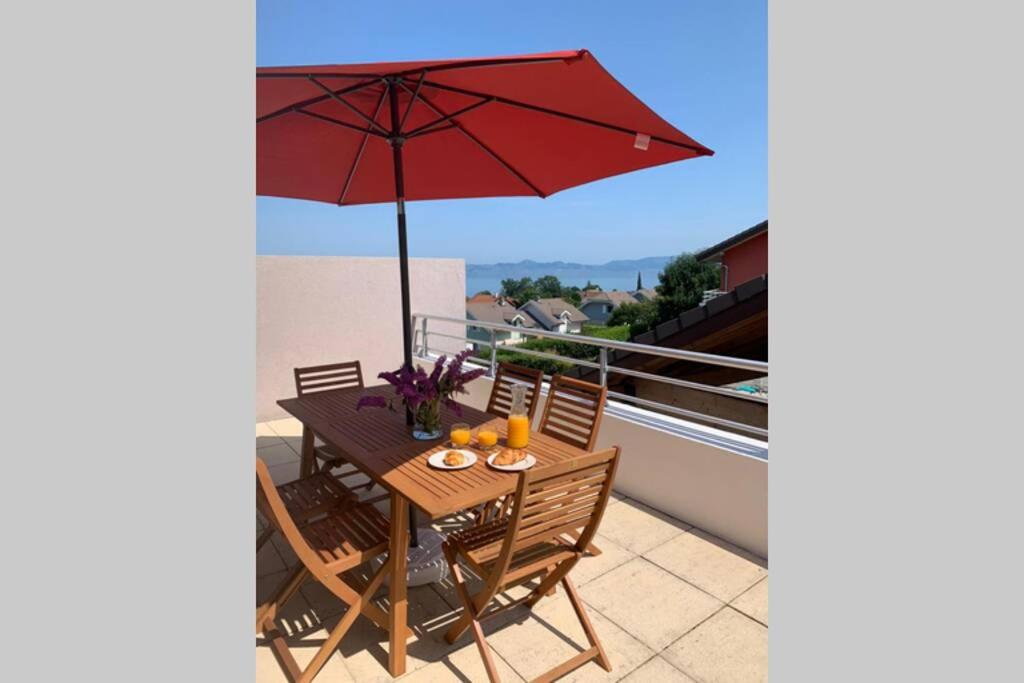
(454, 458)
(510, 456)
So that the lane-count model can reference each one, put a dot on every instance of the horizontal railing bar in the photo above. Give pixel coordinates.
(551, 356)
(677, 354)
(731, 393)
(692, 414)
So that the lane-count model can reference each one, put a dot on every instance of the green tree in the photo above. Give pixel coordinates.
(572, 295)
(548, 287)
(640, 316)
(683, 283)
(521, 290)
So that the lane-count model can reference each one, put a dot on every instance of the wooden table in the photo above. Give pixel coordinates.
(380, 444)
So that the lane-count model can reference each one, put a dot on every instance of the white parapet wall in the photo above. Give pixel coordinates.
(324, 309)
(706, 477)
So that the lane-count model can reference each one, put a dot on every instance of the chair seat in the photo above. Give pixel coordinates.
(313, 495)
(348, 535)
(481, 547)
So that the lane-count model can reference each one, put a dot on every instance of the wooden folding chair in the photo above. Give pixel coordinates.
(549, 502)
(508, 375)
(573, 411)
(306, 499)
(325, 378)
(347, 534)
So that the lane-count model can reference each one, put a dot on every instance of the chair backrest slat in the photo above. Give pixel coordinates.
(326, 377)
(557, 499)
(500, 402)
(573, 411)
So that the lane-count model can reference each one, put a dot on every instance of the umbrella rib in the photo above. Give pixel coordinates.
(313, 100)
(417, 131)
(478, 63)
(351, 107)
(362, 146)
(336, 122)
(415, 96)
(701, 150)
(462, 129)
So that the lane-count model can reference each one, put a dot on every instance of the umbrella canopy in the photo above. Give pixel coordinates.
(495, 127)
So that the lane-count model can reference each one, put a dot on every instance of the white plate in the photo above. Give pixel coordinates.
(437, 459)
(524, 464)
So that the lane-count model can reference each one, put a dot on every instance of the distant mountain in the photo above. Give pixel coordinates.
(534, 269)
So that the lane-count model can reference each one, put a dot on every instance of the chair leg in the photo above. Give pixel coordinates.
(471, 612)
(550, 580)
(588, 628)
(354, 610)
(591, 548)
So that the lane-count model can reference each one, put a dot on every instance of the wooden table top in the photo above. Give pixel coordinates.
(378, 442)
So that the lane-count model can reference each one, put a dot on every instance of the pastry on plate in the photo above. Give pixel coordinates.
(510, 456)
(454, 458)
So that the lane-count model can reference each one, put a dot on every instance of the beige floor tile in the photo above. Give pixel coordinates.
(266, 441)
(365, 647)
(754, 603)
(288, 426)
(550, 634)
(649, 602)
(589, 568)
(638, 528)
(268, 560)
(296, 617)
(277, 454)
(461, 665)
(657, 670)
(709, 563)
(303, 649)
(727, 647)
(284, 472)
(263, 429)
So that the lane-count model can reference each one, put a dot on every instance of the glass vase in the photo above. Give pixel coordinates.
(428, 421)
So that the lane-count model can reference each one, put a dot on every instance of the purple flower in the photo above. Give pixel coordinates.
(372, 401)
(416, 387)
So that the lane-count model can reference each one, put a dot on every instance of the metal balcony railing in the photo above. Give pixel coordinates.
(421, 347)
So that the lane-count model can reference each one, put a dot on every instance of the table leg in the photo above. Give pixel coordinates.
(307, 463)
(398, 591)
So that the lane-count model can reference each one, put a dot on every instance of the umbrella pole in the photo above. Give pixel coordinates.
(403, 263)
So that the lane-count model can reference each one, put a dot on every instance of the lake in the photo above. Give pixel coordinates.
(608, 279)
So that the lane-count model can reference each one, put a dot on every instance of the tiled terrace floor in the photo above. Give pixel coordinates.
(669, 601)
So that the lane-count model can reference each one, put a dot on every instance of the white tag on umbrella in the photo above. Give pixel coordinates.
(642, 141)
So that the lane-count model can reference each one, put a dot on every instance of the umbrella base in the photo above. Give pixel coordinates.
(426, 563)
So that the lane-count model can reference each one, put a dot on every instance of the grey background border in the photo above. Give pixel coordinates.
(127, 170)
(128, 292)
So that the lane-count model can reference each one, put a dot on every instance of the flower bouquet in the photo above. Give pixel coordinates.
(424, 394)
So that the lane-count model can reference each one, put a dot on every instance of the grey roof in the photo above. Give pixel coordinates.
(614, 298)
(495, 313)
(548, 312)
(646, 292)
(753, 231)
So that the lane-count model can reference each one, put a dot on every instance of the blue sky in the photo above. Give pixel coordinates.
(701, 64)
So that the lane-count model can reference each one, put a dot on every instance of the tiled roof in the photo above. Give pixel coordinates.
(733, 241)
(494, 313)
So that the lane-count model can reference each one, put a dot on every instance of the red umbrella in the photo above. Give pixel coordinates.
(491, 127)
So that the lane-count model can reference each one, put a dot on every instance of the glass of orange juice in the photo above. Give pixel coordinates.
(487, 438)
(460, 434)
